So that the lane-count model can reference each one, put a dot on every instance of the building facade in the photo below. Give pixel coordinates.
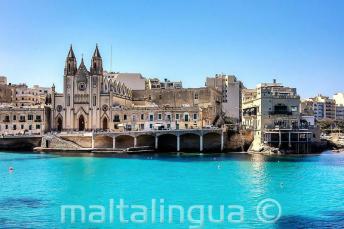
(339, 99)
(272, 111)
(230, 89)
(30, 96)
(323, 107)
(155, 83)
(93, 100)
(24, 121)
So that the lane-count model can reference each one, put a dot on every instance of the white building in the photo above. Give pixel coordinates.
(135, 81)
(339, 99)
(230, 88)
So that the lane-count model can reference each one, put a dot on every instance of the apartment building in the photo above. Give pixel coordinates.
(230, 89)
(272, 111)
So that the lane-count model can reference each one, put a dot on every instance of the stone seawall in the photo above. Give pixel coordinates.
(20, 142)
(192, 141)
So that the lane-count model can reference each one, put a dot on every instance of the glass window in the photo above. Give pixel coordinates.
(116, 118)
(159, 116)
(151, 118)
(195, 116)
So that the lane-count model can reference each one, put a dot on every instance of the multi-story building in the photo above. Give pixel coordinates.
(230, 88)
(272, 111)
(93, 100)
(339, 99)
(322, 107)
(155, 83)
(29, 96)
(32, 120)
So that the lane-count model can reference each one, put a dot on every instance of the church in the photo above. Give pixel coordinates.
(87, 96)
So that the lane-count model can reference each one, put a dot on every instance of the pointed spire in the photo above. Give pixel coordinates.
(82, 60)
(71, 52)
(96, 52)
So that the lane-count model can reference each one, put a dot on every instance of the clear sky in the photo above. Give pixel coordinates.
(301, 43)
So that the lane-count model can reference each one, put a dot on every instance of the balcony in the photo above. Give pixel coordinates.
(280, 112)
(6, 120)
(21, 120)
(280, 109)
(250, 111)
(38, 120)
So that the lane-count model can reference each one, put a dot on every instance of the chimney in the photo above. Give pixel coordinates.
(274, 80)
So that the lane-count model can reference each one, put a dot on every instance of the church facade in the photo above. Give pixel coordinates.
(87, 96)
(93, 99)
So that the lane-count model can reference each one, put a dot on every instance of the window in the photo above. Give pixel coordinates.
(177, 116)
(68, 100)
(38, 127)
(159, 116)
(116, 126)
(151, 117)
(30, 117)
(196, 95)
(186, 117)
(195, 116)
(21, 126)
(294, 108)
(38, 118)
(151, 126)
(142, 116)
(6, 127)
(22, 118)
(168, 126)
(116, 118)
(14, 117)
(142, 126)
(30, 127)
(125, 117)
(168, 117)
(94, 100)
(14, 127)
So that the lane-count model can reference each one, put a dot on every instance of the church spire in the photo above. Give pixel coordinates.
(97, 63)
(71, 52)
(70, 66)
(96, 52)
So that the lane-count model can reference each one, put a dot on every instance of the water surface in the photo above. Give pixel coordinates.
(310, 189)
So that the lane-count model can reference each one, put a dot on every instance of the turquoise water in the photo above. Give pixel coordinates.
(309, 189)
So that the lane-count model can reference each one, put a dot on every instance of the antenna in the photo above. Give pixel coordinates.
(111, 58)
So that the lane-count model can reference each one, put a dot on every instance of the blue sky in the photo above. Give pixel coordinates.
(301, 43)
